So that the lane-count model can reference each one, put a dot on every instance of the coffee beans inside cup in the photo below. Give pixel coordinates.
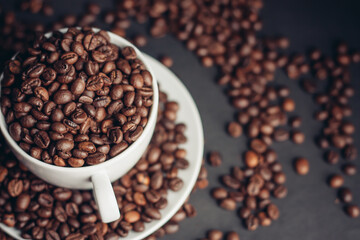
(74, 99)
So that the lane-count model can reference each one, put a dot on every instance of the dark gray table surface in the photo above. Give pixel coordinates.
(309, 212)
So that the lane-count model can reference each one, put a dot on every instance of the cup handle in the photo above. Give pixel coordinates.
(105, 197)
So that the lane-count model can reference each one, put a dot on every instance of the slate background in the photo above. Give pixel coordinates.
(309, 212)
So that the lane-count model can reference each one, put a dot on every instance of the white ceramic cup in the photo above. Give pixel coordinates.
(96, 177)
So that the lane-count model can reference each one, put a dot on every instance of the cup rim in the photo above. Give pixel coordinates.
(147, 130)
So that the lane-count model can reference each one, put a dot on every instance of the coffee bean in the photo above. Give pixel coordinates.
(332, 157)
(167, 61)
(23, 201)
(215, 235)
(336, 181)
(280, 191)
(232, 236)
(64, 145)
(9, 220)
(132, 216)
(62, 194)
(350, 152)
(63, 97)
(288, 105)
(353, 211)
(176, 184)
(76, 236)
(15, 131)
(298, 137)
(258, 146)
(215, 159)
(302, 166)
(338, 141)
(219, 193)
(228, 204)
(51, 235)
(140, 40)
(349, 169)
(95, 158)
(60, 214)
(15, 187)
(234, 129)
(251, 159)
(252, 223)
(345, 195)
(281, 135)
(76, 162)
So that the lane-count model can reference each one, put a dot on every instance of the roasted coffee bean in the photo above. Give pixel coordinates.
(252, 223)
(15, 187)
(349, 169)
(298, 137)
(350, 152)
(332, 157)
(228, 204)
(234, 129)
(176, 184)
(215, 159)
(9, 220)
(302, 166)
(258, 146)
(95, 158)
(280, 191)
(251, 159)
(76, 162)
(23, 201)
(51, 235)
(37, 185)
(64, 145)
(345, 195)
(215, 235)
(353, 211)
(63, 97)
(336, 181)
(62, 194)
(60, 214)
(281, 135)
(45, 200)
(15, 131)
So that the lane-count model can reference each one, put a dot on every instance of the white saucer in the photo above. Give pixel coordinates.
(188, 114)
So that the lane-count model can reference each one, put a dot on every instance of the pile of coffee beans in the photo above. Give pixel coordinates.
(222, 34)
(253, 186)
(43, 211)
(75, 99)
(330, 84)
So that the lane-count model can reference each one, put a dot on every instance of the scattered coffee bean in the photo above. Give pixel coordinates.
(332, 157)
(349, 169)
(345, 195)
(298, 137)
(302, 166)
(336, 181)
(214, 158)
(167, 61)
(140, 40)
(353, 211)
(234, 129)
